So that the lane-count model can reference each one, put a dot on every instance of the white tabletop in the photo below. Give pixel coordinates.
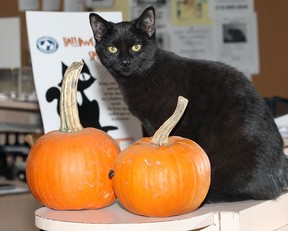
(116, 218)
(246, 215)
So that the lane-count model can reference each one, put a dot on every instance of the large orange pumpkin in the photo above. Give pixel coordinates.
(68, 169)
(162, 176)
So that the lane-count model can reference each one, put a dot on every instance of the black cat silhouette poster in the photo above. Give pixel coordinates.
(56, 40)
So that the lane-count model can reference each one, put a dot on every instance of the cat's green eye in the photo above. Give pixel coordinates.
(136, 47)
(112, 50)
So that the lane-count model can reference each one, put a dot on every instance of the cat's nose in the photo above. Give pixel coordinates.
(125, 63)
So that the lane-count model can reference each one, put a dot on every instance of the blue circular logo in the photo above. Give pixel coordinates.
(47, 45)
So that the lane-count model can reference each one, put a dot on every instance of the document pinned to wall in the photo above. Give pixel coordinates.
(53, 49)
(73, 5)
(237, 6)
(193, 12)
(93, 4)
(191, 34)
(10, 43)
(197, 42)
(51, 5)
(237, 41)
(24, 5)
(236, 32)
(220, 30)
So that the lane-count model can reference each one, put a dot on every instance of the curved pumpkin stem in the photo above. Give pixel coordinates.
(69, 117)
(161, 135)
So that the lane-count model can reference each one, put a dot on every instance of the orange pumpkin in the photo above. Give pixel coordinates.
(68, 169)
(162, 176)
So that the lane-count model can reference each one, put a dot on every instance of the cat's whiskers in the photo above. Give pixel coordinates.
(146, 78)
(150, 76)
(103, 74)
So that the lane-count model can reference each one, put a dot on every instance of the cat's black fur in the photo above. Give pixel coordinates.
(225, 115)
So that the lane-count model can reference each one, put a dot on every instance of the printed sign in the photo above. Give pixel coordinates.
(56, 40)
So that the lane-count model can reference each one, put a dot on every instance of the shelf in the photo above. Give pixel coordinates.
(19, 105)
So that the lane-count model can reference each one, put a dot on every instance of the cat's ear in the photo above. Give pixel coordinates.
(146, 22)
(99, 26)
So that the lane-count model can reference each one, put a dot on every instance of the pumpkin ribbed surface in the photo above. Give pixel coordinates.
(70, 170)
(163, 180)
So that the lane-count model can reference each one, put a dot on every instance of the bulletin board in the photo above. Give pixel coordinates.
(272, 17)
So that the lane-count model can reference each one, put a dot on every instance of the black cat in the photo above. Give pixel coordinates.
(225, 115)
(89, 111)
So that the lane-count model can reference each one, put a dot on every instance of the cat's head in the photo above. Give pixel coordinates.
(125, 48)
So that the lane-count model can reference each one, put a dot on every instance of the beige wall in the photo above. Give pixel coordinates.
(273, 46)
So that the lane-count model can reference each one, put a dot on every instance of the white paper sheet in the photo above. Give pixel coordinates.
(243, 6)
(237, 41)
(10, 44)
(24, 5)
(73, 5)
(58, 39)
(51, 5)
(193, 42)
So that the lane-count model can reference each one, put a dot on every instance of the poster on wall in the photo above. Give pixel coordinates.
(10, 58)
(191, 12)
(219, 30)
(191, 34)
(236, 33)
(56, 40)
(237, 6)
(237, 41)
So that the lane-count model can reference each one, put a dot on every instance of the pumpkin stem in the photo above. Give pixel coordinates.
(161, 135)
(69, 117)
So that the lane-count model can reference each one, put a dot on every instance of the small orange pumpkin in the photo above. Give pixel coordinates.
(162, 176)
(68, 169)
